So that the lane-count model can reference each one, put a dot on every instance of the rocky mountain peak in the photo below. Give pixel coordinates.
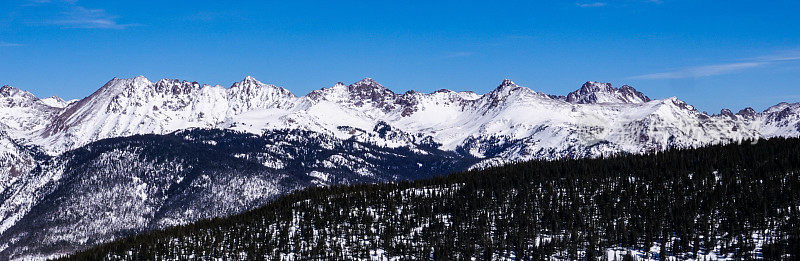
(727, 113)
(8, 91)
(507, 82)
(119, 85)
(367, 82)
(748, 113)
(14, 97)
(55, 98)
(500, 94)
(505, 87)
(597, 92)
(590, 86)
(369, 91)
(368, 88)
(632, 93)
(249, 81)
(250, 86)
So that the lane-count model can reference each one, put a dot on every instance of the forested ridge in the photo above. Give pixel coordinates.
(738, 200)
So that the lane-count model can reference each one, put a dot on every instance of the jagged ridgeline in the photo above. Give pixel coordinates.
(735, 200)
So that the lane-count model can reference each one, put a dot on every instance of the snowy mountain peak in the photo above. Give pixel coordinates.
(117, 85)
(21, 112)
(14, 97)
(250, 84)
(249, 80)
(8, 91)
(55, 101)
(469, 95)
(597, 92)
(505, 86)
(366, 93)
(368, 82)
(167, 82)
(369, 87)
(501, 94)
(727, 113)
(55, 98)
(505, 89)
(748, 113)
(508, 82)
(591, 86)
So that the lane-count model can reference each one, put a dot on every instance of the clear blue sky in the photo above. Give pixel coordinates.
(713, 54)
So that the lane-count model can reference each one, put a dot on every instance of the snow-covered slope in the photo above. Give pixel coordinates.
(57, 102)
(124, 107)
(122, 186)
(781, 120)
(15, 161)
(22, 112)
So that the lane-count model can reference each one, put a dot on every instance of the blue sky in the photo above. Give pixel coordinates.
(713, 54)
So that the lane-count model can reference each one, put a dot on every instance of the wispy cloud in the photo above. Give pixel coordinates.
(786, 56)
(81, 17)
(717, 69)
(7, 44)
(74, 15)
(594, 4)
(700, 71)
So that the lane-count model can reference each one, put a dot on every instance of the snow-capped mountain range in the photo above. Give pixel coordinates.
(78, 173)
(509, 123)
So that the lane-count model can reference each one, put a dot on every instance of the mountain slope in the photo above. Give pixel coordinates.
(726, 202)
(124, 107)
(122, 186)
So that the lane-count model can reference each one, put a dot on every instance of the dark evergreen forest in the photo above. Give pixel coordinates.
(738, 200)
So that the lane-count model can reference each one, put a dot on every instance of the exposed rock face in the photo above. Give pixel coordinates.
(748, 113)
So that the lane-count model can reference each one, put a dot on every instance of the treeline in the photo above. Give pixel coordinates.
(739, 201)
